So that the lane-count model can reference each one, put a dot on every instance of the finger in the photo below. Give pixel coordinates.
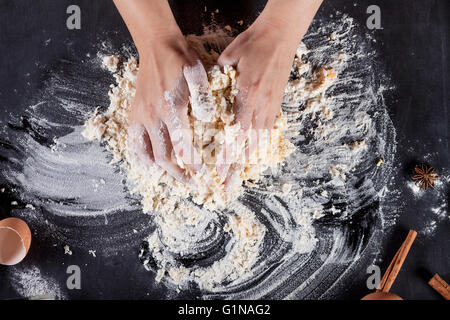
(177, 98)
(273, 114)
(227, 59)
(243, 113)
(139, 145)
(162, 150)
(224, 157)
(243, 116)
(233, 177)
(182, 140)
(196, 75)
(178, 125)
(256, 136)
(270, 121)
(201, 97)
(229, 150)
(223, 163)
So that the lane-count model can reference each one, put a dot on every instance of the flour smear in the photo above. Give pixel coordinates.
(296, 234)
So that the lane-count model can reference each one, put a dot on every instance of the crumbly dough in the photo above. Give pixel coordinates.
(185, 216)
(212, 124)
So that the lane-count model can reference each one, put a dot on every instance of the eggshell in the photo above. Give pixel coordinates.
(379, 295)
(15, 241)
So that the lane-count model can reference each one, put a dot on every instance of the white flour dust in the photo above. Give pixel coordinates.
(294, 233)
(30, 283)
(435, 215)
(211, 118)
(342, 136)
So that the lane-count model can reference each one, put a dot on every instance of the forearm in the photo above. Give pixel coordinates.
(148, 20)
(291, 18)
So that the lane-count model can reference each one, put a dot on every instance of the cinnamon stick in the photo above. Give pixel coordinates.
(388, 270)
(438, 284)
(396, 264)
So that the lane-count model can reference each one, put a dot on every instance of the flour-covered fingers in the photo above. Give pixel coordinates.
(162, 151)
(202, 101)
(233, 177)
(270, 121)
(274, 111)
(195, 75)
(182, 141)
(139, 145)
(177, 122)
(244, 114)
(233, 146)
(256, 134)
(224, 159)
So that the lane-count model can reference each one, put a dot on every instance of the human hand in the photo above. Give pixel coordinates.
(160, 107)
(263, 57)
(160, 131)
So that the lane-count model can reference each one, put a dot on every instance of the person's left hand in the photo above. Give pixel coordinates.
(263, 59)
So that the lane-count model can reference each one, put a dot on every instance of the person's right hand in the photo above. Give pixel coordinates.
(159, 111)
(168, 69)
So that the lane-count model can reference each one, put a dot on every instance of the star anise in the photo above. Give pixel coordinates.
(424, 176)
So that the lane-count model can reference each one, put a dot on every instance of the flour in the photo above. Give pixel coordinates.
(67, 250)
(29, 282)
(297, 232)
(212, 122)
(181, 225)
(178, 230)
(415, 189)
(110, 63)
(439, 213)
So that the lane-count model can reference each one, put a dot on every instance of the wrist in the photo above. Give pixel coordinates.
(289, 18)
(164, 46)
(275, 33)
(163, 37)
(148, 21)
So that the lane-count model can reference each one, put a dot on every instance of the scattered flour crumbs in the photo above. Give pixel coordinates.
(439, 212)
(177, 215)
(29, 282)
(211, 117)
(304, 213)
(184, 216)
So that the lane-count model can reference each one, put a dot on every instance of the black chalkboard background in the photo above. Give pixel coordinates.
(413, 45)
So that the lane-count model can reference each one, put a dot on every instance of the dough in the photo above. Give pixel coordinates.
(212, 123)
(185, 218)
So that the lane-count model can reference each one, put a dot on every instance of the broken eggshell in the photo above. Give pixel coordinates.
(15, 240)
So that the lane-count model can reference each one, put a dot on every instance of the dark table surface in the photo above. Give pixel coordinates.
(413, 46)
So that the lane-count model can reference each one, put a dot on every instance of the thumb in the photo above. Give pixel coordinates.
(227, 58)
(195, 75)
(201, 97)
